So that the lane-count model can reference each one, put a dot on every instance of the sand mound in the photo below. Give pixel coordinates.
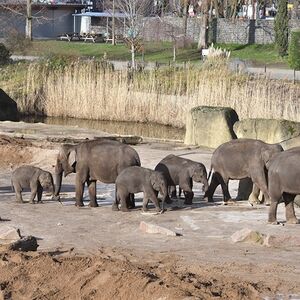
(111, 276)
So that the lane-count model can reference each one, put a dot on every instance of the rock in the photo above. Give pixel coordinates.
(9, 234)
(281, 241)
(297, 200)
(28, 243)
(268, 130)
(291, 143)
(8, 108)
(151, 228)
(210, 126)
(247, 235)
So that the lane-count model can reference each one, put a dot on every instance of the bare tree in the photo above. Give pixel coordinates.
(134, 10)
(20, 10)
(204, 9)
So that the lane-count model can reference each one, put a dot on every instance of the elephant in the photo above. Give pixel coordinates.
(34, 178)
(181, 171)
(138, 179)
(93, 160)
(238, 159)
(284, 183)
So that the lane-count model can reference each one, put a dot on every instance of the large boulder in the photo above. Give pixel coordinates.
(268, 130)
(8, 108)
(210, 126)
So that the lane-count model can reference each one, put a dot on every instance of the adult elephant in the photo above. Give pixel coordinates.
(284, 183)
(94, 160)
(239, 159)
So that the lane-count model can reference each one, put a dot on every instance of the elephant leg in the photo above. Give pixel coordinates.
(224, 184)
(253, 197)
(259, 179)
(289, 208)
(18, 191)
(188, 192)
(34, 188)
(123, 196)
(130, 203)
(152, 196)
(211, 188)
(275, 196)
(172, 191)
(80, 181)
(92, 193)
(39, 194)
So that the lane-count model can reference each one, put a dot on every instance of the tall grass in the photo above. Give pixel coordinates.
(88, 90)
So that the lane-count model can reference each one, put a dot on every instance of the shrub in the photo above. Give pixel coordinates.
(17, 42)
(4, 55)
(294, 50)
(281, 28)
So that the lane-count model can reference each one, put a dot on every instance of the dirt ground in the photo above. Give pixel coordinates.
(95, 253)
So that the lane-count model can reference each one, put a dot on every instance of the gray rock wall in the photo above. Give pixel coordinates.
(222, 30)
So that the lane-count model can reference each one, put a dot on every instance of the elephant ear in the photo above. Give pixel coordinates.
(72, 157)
(154, 180)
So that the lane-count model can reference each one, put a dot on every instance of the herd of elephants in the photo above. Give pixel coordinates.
(273, 171)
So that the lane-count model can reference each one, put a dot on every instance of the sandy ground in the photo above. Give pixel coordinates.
(95, 253)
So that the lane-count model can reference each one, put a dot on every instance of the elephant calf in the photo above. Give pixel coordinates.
(138, 179)
(31, 177)
(181, 171)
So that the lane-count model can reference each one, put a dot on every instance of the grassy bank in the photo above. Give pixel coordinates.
(88, 90)
(161, 52)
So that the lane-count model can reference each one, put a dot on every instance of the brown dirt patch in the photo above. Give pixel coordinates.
(14, 152)
(111, 275)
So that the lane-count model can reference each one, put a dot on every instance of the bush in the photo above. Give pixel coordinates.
(294, 50)
(17, 42)
(281, 28)
(4, 55)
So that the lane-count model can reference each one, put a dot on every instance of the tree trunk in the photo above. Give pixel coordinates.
(132, 55)
(28, 32)
(185, 8)
(202, 42)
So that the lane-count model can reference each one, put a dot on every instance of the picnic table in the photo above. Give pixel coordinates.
(72, 36)
(85, 37)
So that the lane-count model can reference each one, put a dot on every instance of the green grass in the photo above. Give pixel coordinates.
(261, 54)
(161, 52)
(154, 51)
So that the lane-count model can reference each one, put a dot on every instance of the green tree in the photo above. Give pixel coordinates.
(282, 28)
(294, 50)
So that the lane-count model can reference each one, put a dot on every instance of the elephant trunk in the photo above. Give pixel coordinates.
(165, 195)
(205, 185)
(58, 179)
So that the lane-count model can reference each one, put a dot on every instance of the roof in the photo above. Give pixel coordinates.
(103, 14)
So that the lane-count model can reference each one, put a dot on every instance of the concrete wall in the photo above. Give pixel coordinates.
(54, 21)
(222, 30)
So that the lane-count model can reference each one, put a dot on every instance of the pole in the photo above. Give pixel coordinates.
(28, 29)
(113, 25)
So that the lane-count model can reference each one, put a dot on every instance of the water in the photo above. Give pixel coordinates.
(123, 128)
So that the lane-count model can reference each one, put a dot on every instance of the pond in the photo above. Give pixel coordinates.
(123, 128)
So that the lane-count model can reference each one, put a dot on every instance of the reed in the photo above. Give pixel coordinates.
(90, 91)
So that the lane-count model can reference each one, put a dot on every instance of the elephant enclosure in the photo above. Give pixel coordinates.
(96, 253)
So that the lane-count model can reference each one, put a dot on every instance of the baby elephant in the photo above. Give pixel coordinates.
(34, 178)
(181, 171)
(138, 179)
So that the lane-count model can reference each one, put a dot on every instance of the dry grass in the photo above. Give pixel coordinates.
(87, 90)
